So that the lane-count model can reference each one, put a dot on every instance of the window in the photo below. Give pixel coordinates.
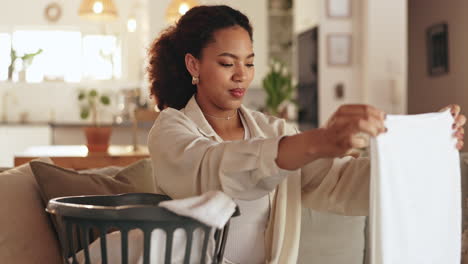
(59, 60)
(5, 44)
(66, 56)
(101, 61)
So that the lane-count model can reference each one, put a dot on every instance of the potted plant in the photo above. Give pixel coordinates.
(97, 136)
(279, 88)
(27, 59)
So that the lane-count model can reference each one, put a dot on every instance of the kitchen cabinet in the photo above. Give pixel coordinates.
(122, 134)
(16, 138)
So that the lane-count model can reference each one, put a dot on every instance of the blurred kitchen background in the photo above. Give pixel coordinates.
(403, 56)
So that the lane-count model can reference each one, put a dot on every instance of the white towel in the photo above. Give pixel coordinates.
(212, 208)
(415, 208)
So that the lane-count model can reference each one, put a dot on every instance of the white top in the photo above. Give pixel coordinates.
(246, 239)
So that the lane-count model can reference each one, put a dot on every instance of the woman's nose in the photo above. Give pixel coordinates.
(240, 75)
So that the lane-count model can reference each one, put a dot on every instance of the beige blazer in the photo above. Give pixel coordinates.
(189, 158)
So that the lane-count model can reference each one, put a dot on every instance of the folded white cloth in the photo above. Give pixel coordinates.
(213, 208)
(415, 208)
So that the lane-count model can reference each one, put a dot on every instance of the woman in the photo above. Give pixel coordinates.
(206, 140)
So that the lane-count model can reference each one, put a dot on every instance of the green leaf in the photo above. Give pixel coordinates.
(84, 113)
(105, 100)
(93, 93)
(29, 56)
(278, 86)
(81, 96)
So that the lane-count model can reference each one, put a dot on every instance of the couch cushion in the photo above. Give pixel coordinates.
(330, 238)
(26, 234)
(109, 171)
(56, 182)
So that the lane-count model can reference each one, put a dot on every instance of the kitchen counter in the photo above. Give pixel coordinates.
(15, 137)
(78, 157)
(39, 123)
(73, 125)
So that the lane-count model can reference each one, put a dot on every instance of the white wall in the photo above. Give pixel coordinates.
(384, 76)
(330, 76)
(54, 102)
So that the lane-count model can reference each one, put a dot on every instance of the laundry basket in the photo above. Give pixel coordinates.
(84, 218)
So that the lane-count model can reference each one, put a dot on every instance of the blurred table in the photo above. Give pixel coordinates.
(78, 157)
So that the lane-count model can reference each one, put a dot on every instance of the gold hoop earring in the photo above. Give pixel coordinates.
(195, 80)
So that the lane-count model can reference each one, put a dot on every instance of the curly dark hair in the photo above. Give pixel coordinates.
(170, 81)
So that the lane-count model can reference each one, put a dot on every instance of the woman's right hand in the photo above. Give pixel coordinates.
(347, 129)
(344, 132)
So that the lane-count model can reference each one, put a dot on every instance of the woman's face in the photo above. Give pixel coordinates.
(226, 70)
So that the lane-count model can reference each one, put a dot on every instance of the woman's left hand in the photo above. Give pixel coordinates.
(459, 122)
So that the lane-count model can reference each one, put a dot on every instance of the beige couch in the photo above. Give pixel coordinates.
(27, 234)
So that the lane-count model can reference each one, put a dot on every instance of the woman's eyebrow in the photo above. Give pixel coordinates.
(227, 54)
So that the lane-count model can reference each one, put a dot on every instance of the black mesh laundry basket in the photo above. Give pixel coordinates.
(89, 217)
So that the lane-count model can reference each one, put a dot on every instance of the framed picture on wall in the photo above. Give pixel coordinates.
(339, 8)
(339, 49)
(437, 49)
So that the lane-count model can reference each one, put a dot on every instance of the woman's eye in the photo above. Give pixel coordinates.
(249, 65)
(226, 64)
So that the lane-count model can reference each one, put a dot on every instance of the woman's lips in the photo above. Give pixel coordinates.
(237, 92)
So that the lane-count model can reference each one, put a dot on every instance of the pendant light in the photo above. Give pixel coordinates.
(131, 24)
(177, 8)
(98, 10)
